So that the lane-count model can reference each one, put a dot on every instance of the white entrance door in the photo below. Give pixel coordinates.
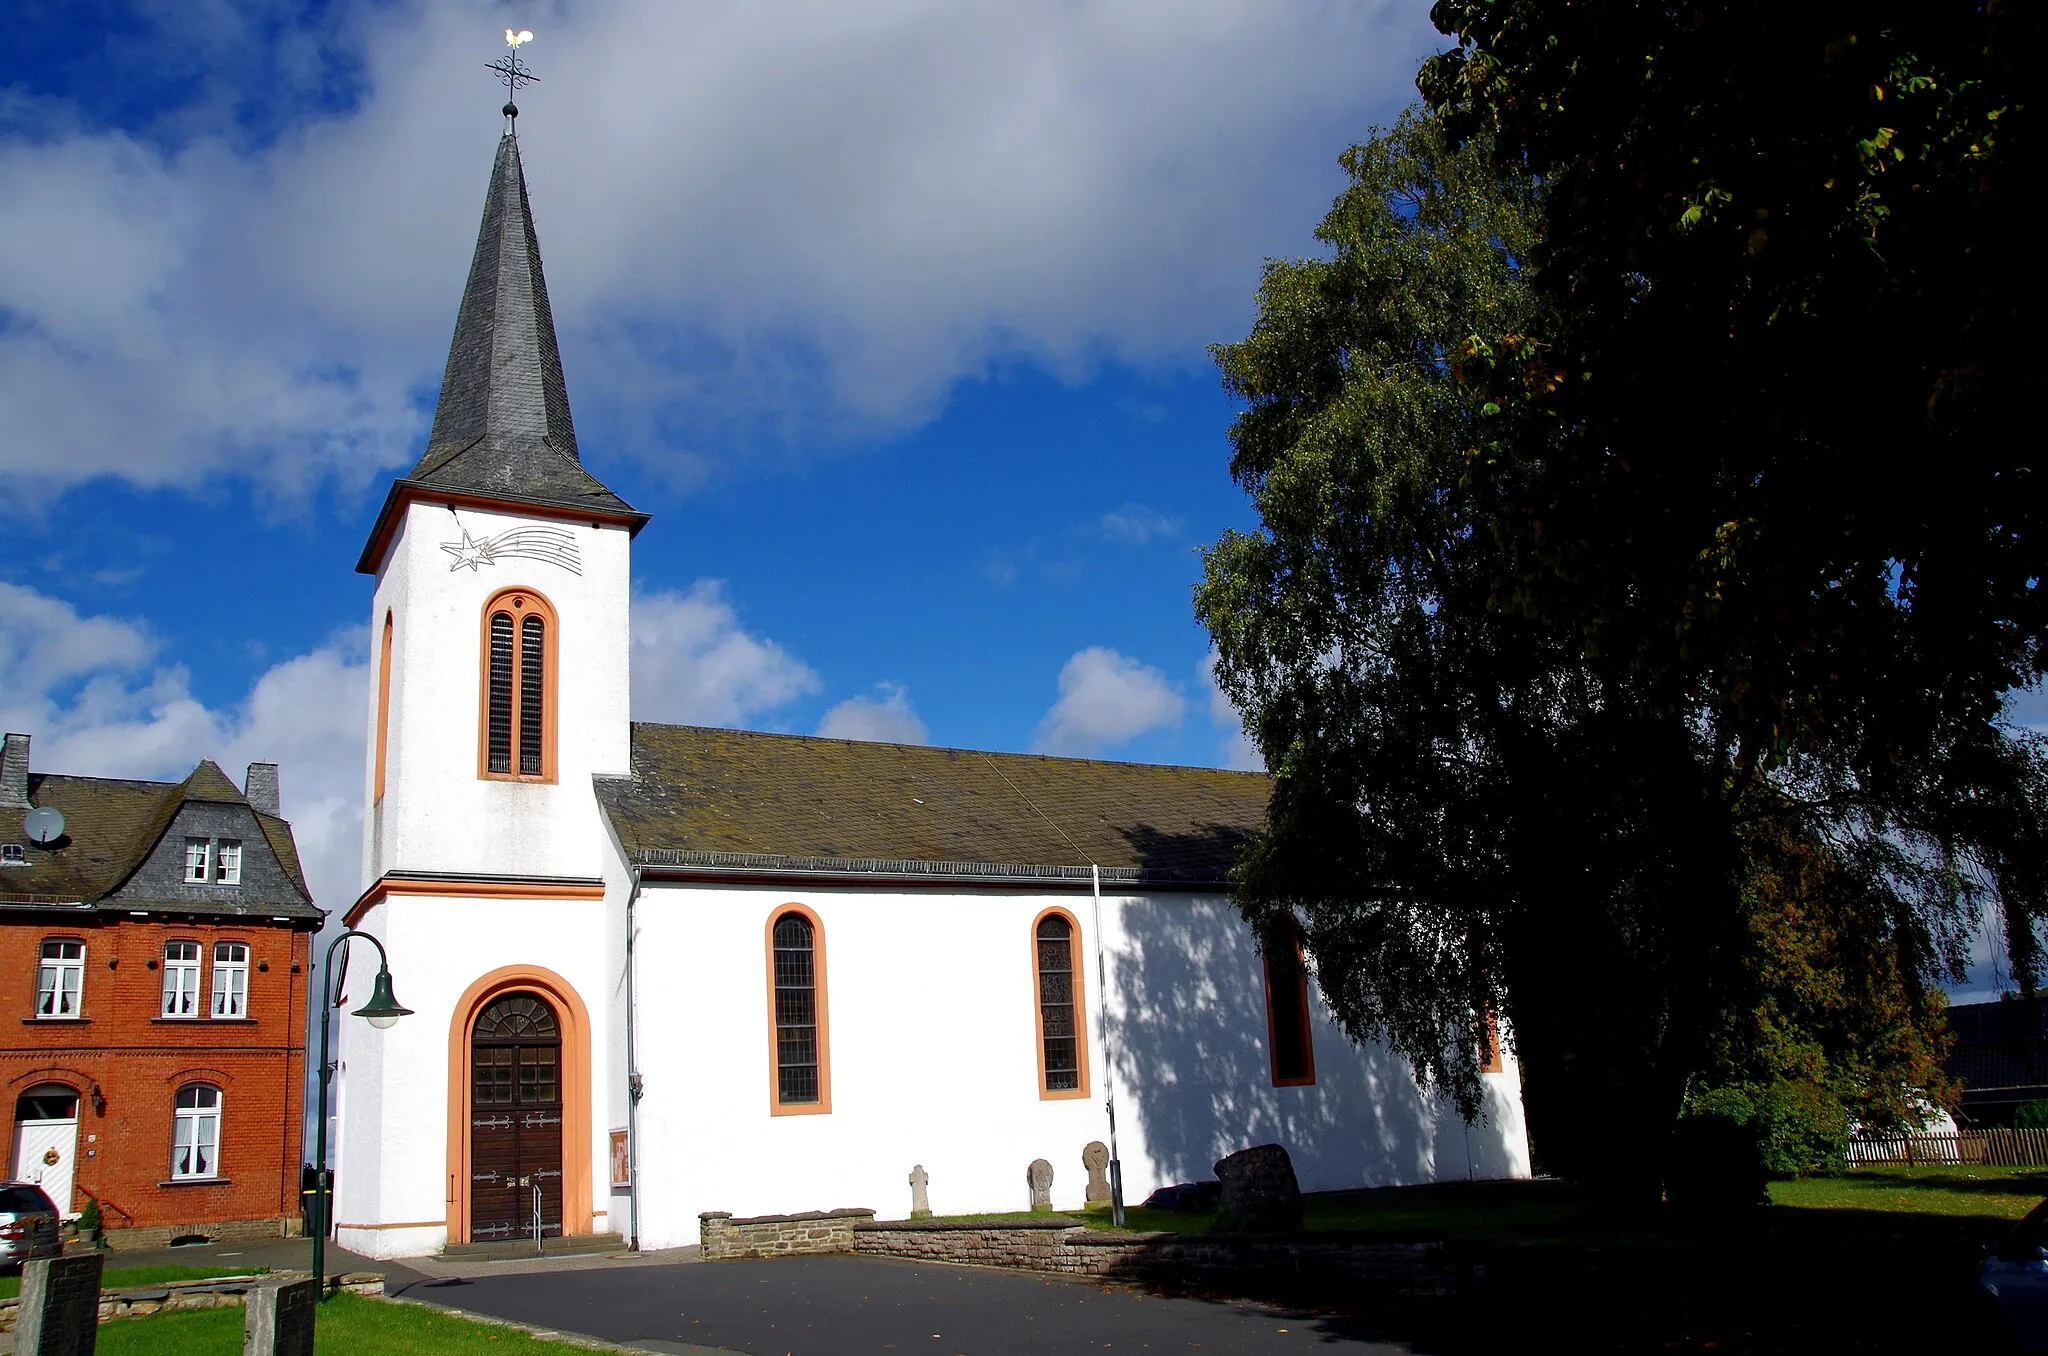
(44, 1153)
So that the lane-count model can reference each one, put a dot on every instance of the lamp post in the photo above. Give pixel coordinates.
(382, 1011)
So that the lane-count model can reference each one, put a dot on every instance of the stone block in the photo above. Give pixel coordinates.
(1095, 1158)
(277, 1318)
(1259, 1193)
(60, 1306)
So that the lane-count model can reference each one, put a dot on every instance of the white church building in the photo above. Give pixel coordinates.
(661, 970)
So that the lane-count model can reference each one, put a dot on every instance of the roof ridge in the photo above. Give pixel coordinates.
(954, 748)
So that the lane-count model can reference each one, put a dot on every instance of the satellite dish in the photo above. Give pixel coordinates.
(45, 824)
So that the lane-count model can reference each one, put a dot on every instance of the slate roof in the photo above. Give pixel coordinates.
(111, 826)
(771, 803)
(502, 428)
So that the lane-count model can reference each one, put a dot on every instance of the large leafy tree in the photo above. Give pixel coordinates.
(1478, 804)
(1796, 483)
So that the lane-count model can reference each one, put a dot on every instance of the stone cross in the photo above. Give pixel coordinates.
(1039, 1174)
(277, 1318)
(60, 1306)
(1095, 1158)
(920, 1204)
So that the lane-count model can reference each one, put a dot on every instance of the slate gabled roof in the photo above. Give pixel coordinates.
(111, 827)
(766, 802)
(502, 429)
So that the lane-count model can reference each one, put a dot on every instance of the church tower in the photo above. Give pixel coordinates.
(500, 647)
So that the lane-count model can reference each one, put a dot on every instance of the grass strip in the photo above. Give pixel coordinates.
(347, 1326)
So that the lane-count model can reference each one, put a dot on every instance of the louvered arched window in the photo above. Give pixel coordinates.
(519, 687)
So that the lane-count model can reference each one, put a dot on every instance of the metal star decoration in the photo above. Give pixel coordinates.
(553, 545)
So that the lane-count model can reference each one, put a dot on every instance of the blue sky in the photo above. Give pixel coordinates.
(894, 315)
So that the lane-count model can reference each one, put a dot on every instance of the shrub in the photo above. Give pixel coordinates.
(2031, 1116)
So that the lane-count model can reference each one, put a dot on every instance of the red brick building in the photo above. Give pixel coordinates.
(153, 971)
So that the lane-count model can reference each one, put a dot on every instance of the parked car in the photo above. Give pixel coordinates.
(28, 1224)
(2014, 1277)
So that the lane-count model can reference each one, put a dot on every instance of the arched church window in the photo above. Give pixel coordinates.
(796, 977)
(519, 687)
(1289, 1039)
(1062, 1022)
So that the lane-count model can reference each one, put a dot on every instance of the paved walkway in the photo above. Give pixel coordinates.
(837, 1306)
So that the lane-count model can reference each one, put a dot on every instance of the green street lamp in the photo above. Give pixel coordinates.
(382, 1012)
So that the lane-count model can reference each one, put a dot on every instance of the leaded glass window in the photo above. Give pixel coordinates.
(1056, 1021)
(796, 1011)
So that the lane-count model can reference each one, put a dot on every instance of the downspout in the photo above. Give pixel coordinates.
(632, 1075)
(1116, 1165)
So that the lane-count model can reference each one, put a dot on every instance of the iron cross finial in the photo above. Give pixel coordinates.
(514, 72)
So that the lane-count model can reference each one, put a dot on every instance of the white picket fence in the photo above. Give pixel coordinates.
(1992, 1148)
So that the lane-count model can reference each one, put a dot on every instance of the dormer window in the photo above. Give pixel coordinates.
(13, 854)
(198, 860)
(227, 854)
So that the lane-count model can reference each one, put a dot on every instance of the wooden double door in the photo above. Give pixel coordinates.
(515, 1119)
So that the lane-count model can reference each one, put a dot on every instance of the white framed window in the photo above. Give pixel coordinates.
(59, 979)
(198, 857)
(230, 979)
(195, 1135)
(227, 860)
(13, 854)
(181, 979)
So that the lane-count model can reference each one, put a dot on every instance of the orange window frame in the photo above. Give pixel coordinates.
(519, 604)
(1046, 1094)
(1288, 933)
(821, 1009)
(384, 700)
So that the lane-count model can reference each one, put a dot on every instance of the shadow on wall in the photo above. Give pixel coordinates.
(1189, 1050)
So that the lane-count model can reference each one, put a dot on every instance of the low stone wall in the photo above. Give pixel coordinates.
(155, 1236)
(815, 1231)
(218, 1293)
(1071, 1248)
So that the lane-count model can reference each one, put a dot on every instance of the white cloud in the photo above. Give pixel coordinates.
(809, 217)
(1136, 524)
(889, 720)
(95, 699)
(1106, 700)
(694, 665)
(1236, 749)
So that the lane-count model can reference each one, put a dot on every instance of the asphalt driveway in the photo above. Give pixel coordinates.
(838, 1306)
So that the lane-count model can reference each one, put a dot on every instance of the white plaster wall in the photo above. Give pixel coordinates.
(932, 1029)
(393, 1162)
(438, 814)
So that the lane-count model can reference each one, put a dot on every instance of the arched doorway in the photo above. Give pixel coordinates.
(515, 1118)
(46, 1140)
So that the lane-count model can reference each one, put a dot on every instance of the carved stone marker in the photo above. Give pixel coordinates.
(277, 1318)
(60, 1306)
(920, 1204)
(1259, 1191)
(1095, 1158)
(1039, 1175)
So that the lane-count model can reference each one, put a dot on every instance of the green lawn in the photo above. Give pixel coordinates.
(124, 1278)
(357, 1327)
(1999, 1193)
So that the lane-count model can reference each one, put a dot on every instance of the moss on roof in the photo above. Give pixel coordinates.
(703, 790)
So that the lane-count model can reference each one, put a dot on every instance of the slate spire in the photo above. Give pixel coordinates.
(502, 430)
(504, 376)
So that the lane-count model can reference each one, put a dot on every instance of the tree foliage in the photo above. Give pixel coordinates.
(1513, 771)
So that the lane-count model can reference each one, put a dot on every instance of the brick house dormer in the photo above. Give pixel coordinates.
(153, 962)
